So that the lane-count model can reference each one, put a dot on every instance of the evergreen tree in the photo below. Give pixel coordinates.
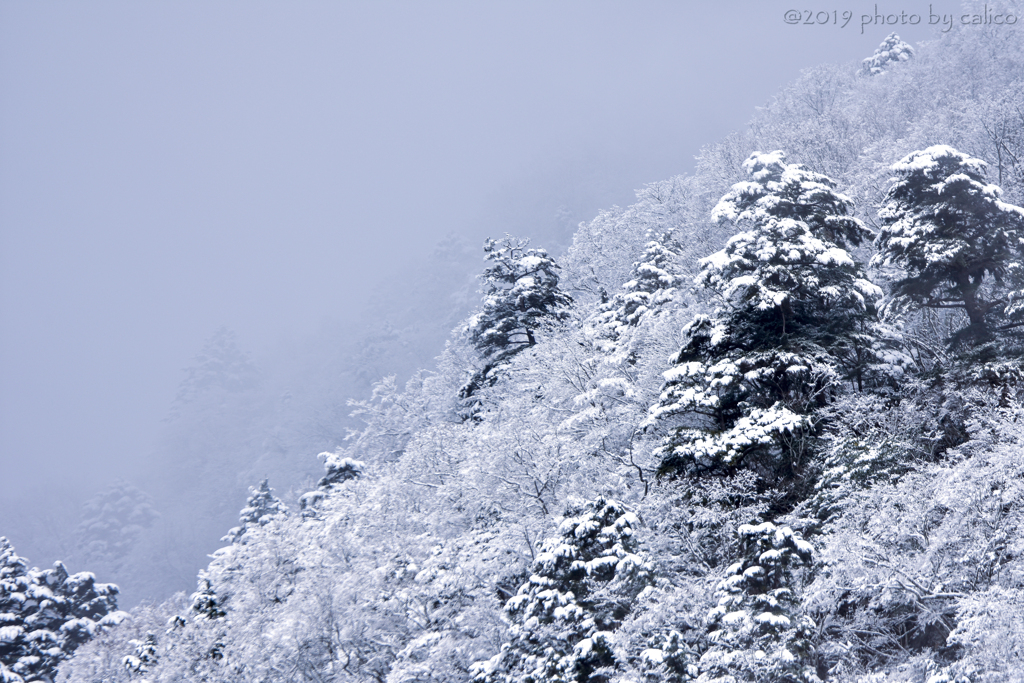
(340, 469)
(956, 241)
(114, 521)
(59, 613)
(15, 583)
(651, 285)
(220, 367)
(795, 318)
(45, 615)
(891, 50)
(780, 190)
(205, 603)
(259, 509)
(582, 584)
(145, 657)
(521, 294)
(757, 630)
(208, 608)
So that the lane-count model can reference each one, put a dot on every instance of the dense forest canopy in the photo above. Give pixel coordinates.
(761, 425)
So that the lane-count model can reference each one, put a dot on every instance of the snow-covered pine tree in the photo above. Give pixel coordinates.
(14, 587)
(46, 614)
(958, 244)
(209, 611)
(652, 283)
(521, 294)
(339, 469)
(145, 658)
(582, 584)
(891, 50)
(757, 629)
(60, 612)
(113, 522)
(259, 509)
(205, 603)
(780, 190)
(221, 366)
(795, 318)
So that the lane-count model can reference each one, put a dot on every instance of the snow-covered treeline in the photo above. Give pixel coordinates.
(761, 425)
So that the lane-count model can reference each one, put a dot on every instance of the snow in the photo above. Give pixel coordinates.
(532, 261)
(507, 476)
(10, 634)
(756, 530)
(804, 548)
(835, 256)
(734, 618)
(772, 619)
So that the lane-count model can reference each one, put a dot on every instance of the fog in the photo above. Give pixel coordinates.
(283, 169)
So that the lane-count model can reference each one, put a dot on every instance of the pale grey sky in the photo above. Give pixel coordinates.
(170, 167)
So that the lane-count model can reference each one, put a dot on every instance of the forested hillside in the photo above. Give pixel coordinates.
(761, 425)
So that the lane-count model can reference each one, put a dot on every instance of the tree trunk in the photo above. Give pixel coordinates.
(975, 312)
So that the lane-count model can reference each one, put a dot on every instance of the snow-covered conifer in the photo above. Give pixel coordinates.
(891, 50)
(205, 603)
(14, 588)
(521, 294)
(145, 658)
(59, 612)
(794, 320)
(340, 469)
(780, 190)
(581, 586)
(208, 610)
(757, 629)
(221, 366)
(114, 521)
(261, 507)
(958, 244)
(652, 283)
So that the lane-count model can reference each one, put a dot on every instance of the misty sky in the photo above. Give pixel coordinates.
(170, 167)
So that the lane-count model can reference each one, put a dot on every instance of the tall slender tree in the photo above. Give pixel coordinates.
(521, 294)
(259, 509)
(14, 588)
(758, 628)
(653, 281)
